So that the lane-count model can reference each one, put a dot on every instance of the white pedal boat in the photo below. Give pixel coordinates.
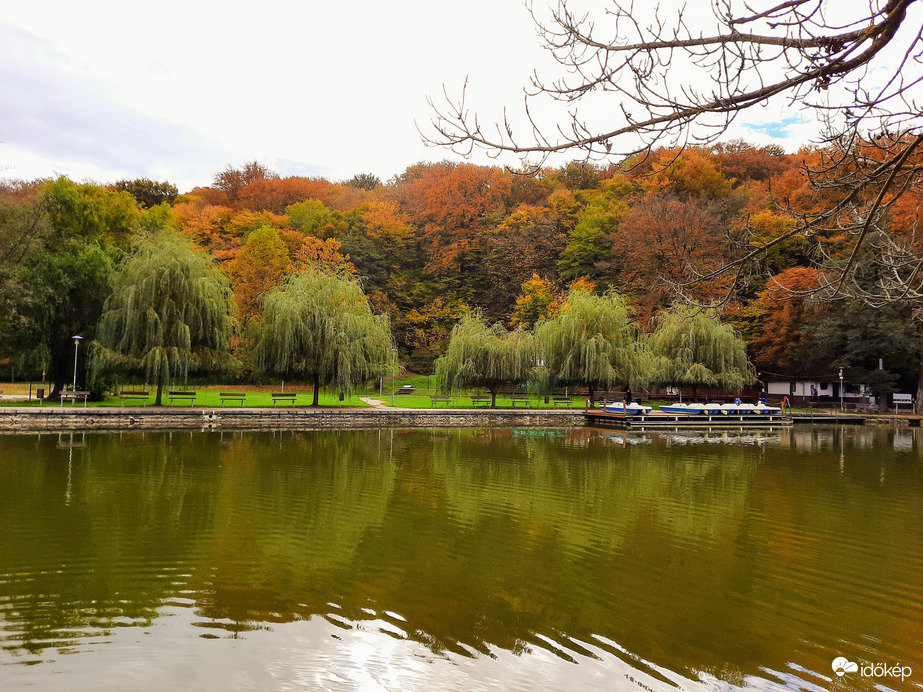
(698, 409)
(633, 409)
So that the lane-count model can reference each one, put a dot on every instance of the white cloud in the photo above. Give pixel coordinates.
(179, 89)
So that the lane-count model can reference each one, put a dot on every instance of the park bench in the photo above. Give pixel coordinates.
(561, 401)
(440, 399)
(905, 399)
(481, 400)
(283, 396)
(182, 396)
(73, 396)
(522, 399)
(231, 396)
(134, 395)
(406, 390)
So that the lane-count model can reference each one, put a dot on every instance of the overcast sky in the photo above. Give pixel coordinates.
(103, 90)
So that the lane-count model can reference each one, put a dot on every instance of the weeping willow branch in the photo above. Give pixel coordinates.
(485, 356)
(168, 315)
(319, 326)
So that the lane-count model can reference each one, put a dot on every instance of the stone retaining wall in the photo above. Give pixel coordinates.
(77, 418)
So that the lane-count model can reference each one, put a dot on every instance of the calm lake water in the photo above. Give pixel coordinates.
(461, 560)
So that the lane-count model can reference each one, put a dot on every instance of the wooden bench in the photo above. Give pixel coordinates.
(561, 401)
(283, 396)
(440, 399)
(522, 399)
(134, 395)
(481, 400)
(182, 396)
(231, 396)
(73, 396)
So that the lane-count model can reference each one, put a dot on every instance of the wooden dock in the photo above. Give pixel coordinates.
(659, 419)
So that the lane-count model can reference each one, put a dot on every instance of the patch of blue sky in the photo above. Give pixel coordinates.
(777, 130)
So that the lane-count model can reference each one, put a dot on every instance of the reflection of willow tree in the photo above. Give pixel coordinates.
(98, 542)
(541, 537)
(297, 505)
(595, 502)
(588, 538)
(264, 526)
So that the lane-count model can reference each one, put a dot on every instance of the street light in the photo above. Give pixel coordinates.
(77, 339)
(841, 389)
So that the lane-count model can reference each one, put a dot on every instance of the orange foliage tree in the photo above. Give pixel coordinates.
(661, 244)
(449, 203)
(261, 264)
(787, 310)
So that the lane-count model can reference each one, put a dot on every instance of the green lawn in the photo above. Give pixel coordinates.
(536, 401)
(210, 398)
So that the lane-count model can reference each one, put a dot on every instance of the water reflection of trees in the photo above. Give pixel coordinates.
(291, 510)
(690, 555)
(240, 523)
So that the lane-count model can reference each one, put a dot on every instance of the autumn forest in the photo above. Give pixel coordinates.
(442, 239)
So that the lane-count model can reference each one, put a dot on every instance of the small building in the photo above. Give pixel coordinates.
(818, 391)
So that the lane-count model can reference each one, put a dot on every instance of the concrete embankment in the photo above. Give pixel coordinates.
(67, 418)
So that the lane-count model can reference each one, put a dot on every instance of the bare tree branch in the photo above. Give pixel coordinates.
(671, 80)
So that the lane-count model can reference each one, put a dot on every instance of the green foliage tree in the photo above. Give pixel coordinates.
(364, 181)
(57, 271)
(168, 315)
(320, 326)
(589, 244)
(90, 211)
(592, 343)
(698, 350)
(537, 301)
(311, 217)
(482, 355)
(149, 193)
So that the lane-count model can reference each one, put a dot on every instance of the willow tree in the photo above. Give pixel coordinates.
(482, 355)
(699, 350)
(592, 343)
(319, 326)
(168, 315)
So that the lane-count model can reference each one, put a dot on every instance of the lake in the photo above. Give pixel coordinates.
(578, 559)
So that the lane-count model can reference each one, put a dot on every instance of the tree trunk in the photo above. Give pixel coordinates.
(159, 397)
(316, 401)
(493, 398)
(58, 372)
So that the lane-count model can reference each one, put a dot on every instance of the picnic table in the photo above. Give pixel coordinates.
(231, 396)
(73, 396)
(181, 396)
(405, 389)
(134, 395)
(283, 396)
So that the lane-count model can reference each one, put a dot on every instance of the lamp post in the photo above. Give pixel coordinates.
(77, 339)
(394, 357)
(841, 389)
